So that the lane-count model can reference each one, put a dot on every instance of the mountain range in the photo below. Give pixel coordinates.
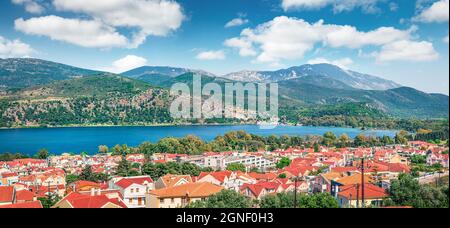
(307, 87)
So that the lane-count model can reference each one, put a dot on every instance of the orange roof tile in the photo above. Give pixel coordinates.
(33, 204)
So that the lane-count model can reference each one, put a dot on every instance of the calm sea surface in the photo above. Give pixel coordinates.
(76, 140)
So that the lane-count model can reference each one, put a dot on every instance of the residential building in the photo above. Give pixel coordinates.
(181, 195)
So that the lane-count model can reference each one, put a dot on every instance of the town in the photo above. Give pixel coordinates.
(317, 176)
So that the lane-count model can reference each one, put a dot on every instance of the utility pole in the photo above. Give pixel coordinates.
(357, 195)
(362, 184)
(295, 192)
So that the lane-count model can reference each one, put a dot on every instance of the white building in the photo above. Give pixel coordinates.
(133, 189)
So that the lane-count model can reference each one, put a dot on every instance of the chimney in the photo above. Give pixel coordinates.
(99, 192)
(92, 191)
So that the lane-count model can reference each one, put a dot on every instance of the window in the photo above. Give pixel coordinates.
(130, 201)
(132, 190)
(137, 190)
(172, 200)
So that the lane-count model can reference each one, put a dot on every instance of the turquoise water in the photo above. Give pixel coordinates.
(76, 140)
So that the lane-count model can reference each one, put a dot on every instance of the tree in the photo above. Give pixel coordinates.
(224, 199)
(123, 168)
(70, 178)
(283, 163)
(329, 139)
(344, 140)
(42, 154)
(236, 167)
(281, 200)
(102, 149)
(286, 200)
(406, 191)
(50, 200)
(316, 147)
(86, 174)
(401, 137)
(321, 200)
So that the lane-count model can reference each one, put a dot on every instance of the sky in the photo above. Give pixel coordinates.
(404, 40)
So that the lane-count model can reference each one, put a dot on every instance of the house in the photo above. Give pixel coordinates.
(95, 199)
(436, 158)
(263, 176)
(322, 182)
(26, 205)
(261, 189)
(7, 195)
(351, 196)
(170, 180)
(218, 178)
(83, 185)
(239, 180)
(348, 180)
(181, 195)
(134, 189)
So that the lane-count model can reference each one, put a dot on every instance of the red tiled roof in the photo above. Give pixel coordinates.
(24, 195)
(370, 192)
(127, 181)
(220, 176)
(33, 204)
(263, 176)
(78, 200)
(257, 188)
(6, 193)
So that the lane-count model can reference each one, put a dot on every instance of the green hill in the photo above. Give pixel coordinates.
(26, 72)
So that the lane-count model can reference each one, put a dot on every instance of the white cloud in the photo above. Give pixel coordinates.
(368, 6)
(85, 33)
(31, 6)
(236, 22)
(244, 45)
(149, 17)
(211, 55)
(405, 50)
(342, 63)
(437, 12)
(445, 39)
(125, 64)
(285, 38)
(14, 48)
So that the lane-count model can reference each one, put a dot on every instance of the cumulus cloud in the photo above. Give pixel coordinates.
(14, 48)
(368, 6)
(31, 6)
(104, 18)
(244, 45)
(285, 38)
(127, 63)
(405, 50)
(445, 39)
(343, 63)
(437, 12)
(236, 22)
(211, 55)
(149, 17)
(85, 33)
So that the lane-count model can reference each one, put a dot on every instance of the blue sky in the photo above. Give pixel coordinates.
(404, 40)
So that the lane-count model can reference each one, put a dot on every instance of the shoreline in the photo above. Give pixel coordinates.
(184, 125)
(126, 125)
